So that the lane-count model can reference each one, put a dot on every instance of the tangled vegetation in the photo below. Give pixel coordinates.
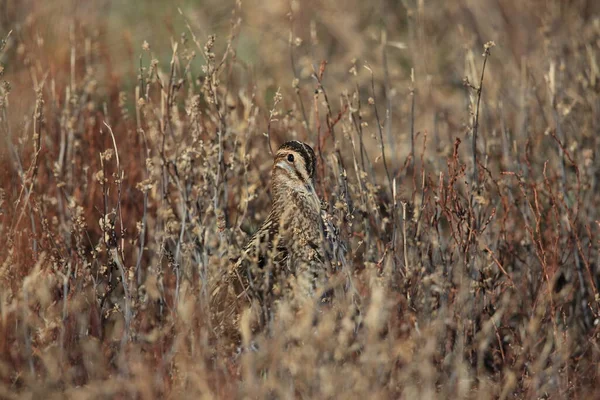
(457, 147)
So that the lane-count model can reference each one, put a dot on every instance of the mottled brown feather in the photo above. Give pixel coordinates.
(284, 257)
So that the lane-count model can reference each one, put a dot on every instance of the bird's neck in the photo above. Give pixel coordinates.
(289, 195)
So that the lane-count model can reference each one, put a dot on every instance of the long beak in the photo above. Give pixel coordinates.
(311, 188)
(313, 192)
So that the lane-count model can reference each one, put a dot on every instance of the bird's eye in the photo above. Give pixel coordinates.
(290, 157)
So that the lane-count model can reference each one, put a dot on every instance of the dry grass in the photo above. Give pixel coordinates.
(465, 189)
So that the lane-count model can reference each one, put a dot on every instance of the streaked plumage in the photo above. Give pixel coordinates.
(285, 256)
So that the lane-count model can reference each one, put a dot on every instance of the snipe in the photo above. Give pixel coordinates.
(285, 256)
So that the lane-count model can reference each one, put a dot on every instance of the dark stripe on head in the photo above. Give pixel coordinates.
(307, 153)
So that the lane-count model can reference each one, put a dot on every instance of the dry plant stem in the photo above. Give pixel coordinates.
(423, 187)
(65, 313)
(4, 41)
(117, 254)
(405, 246)
(37, 142)
(184, 217)
(361, 188)
(26, 334)
(356, 117)
(475, 176)
(119, 178)
(318, 76)
(140, 88)
(388, 95)
(194, 38)
(142, 237)
(220, 174)
(412, 119)
(381, 142)
(213, 74)
(385, 165)
(167, 126)
(19, 165)
(73, 58)
(331, 123)
(272, 114)
(296, 79)
(117, 260)
(359, 132)
(475, 173)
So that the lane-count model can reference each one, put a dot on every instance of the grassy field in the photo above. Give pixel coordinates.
(458, 157)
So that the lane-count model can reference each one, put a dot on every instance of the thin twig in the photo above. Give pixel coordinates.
(380, 130)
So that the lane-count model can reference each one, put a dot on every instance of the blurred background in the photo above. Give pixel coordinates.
(428, 46)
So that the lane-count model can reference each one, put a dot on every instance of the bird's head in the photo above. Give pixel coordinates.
(294, 170)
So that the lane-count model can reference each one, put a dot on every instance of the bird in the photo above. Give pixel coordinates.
(285, 256)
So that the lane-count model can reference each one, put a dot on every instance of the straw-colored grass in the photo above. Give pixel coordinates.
(458, 158)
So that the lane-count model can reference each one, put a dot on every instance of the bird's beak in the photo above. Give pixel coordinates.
(311, 188)
(313, 192)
